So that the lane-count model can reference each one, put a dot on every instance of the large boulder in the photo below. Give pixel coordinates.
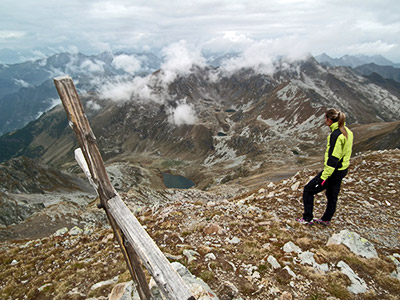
(354, 242)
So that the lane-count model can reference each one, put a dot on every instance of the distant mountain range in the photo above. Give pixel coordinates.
(27, 89)
(387, 72)
(242, 121)
(232, 132)
(355, 60)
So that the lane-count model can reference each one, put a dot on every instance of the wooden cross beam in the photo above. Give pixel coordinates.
(136, 245)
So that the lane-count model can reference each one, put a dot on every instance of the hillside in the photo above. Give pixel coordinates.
(27, 89)
(388, 72)
(216, 125)
(250, 141)
(244, 243)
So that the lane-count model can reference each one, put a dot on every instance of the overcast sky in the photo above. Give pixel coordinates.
(336, 27)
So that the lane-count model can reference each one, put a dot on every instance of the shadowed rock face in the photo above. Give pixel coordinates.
(27, 187)
(14, 212)
(24, 175)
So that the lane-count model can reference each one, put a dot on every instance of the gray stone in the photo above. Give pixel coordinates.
(291, 273)
(235, 240)
(61, 231)
(228, 289)
(124, 291)
(290, 247)
(358, 285)
(89, 229)
(274, 263)
(44, 286)
(75, 231)
(190, 254)
(396, 273)
(307, 258)
(211, 256)
(198, 287)
(295, 186)
(104, 283)
(355, 243)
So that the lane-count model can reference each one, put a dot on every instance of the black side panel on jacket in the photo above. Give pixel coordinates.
(334, 161)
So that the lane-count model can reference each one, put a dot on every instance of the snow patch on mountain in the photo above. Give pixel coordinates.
(288, 93)
(223, 153)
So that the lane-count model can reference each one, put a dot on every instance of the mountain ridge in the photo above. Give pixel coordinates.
(354, 61)
(230, 133)
(91, 73)
(242, 126)
(20, 83)
(244, 243)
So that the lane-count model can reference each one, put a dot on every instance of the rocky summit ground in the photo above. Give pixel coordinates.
(244, 243)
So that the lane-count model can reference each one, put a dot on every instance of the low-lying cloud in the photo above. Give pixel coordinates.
(179, 59)
(93, 66)
(128, 63)
(182, 59)
(183, 114)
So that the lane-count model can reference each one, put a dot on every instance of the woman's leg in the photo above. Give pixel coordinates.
(312, 188)
(332, 192)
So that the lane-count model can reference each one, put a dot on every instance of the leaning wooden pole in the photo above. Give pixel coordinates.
(136, 245)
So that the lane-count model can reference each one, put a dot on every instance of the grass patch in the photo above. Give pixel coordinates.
(170, 163)
(207, 276)
(388, 283)
(316, 296)
(339, 291)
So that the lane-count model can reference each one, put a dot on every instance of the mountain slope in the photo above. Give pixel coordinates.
(377, 136)
(243, 243)
(387, 72)
(27, 90)
(243, 119)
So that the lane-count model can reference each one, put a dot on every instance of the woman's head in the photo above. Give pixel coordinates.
(335, 115)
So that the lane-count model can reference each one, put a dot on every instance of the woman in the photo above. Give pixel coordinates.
(337, 160)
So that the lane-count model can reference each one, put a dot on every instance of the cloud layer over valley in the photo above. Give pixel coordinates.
(337, 27)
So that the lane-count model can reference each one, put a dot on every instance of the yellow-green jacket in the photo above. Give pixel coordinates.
(338, 151)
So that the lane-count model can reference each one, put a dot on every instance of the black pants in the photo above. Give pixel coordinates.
(331, 187)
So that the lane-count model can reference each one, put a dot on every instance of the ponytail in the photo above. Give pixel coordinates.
(337, 116)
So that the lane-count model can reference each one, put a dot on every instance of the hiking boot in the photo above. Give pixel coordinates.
(304, 222)
(320, 222)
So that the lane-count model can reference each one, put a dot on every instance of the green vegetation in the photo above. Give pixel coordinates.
(171, 163)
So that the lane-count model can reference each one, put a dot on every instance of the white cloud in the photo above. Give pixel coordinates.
(6, 34)
(21, 82)
(229, 41)
(183, 114)
(179, 59)
(99, 45)
(372, 26)
(128, 63)
(143, 88)
(371, 48)
(117, 90)
(93, 66)
(92, 105)
(226, 25)
(125, 88)
(260, 55)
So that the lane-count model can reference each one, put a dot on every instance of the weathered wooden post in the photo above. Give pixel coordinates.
(136, 245)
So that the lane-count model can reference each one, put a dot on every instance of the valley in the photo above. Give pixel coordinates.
(249, 142)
